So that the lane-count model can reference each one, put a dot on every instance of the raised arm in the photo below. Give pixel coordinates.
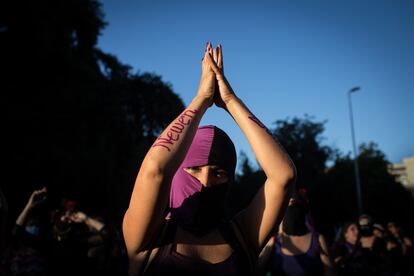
(328, 269)
(37, 197)
(259, 219)
(145, 216)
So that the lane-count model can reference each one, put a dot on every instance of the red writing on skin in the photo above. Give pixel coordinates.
(173, 133)
(260, 124)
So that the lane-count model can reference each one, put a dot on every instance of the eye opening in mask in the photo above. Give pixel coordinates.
(215, 173)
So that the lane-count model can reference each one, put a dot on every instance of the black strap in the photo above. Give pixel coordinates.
(232, 234)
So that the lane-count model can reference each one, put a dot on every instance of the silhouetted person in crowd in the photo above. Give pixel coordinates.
(360, 252)
(99, 239)
(81, 243)
(379, 231)
(346, 249)
(398, 238)
(375, 258)
(26, 252)
(190, 170)
(401, 250)
(297, 250)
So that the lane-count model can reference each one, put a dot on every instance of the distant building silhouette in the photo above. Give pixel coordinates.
(404, 172)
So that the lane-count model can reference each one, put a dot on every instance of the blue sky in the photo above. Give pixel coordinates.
(283, 59)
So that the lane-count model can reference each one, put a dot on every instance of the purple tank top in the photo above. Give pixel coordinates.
(306, 264)
(169, 262)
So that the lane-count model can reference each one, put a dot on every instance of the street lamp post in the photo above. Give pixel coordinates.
(357, 179)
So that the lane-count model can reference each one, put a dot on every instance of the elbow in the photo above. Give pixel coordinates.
(284, 176)
(281, 171)
(151, 167)
(292, 173)
(289, 175)
(154, 166)
(151, 171)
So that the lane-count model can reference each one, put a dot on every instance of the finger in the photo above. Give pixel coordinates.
(204, 56)
(212, 64)
(220, 57)
(215, 55)
(205, 50)
(210, 49)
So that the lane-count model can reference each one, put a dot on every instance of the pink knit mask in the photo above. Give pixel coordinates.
(194, 207)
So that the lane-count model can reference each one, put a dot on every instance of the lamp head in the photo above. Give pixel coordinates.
(355, 89)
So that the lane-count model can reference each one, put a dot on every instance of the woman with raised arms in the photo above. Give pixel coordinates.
(175, 223)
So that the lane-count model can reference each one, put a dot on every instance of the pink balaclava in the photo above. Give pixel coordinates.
(196, 208)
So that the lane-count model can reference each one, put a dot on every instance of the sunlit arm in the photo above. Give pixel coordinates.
(21, 219)
(267, 204)
(144, 217)
(260, 218)
(149, 199)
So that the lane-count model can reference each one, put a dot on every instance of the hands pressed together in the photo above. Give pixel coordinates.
(214, 86)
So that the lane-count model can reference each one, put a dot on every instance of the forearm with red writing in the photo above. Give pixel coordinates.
(169, 149)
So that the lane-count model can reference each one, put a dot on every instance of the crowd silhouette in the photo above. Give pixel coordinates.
(62, 240)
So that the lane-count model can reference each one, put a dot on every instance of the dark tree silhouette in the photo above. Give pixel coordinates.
(382, 197)
(77, 119)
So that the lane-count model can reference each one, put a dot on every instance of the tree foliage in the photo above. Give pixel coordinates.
(382, 197)
(332, 189)
(77, 119)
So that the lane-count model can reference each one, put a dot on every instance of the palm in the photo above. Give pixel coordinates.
(207, 82)
(223, 88)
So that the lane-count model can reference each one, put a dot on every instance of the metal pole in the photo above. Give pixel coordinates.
(357, 179)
